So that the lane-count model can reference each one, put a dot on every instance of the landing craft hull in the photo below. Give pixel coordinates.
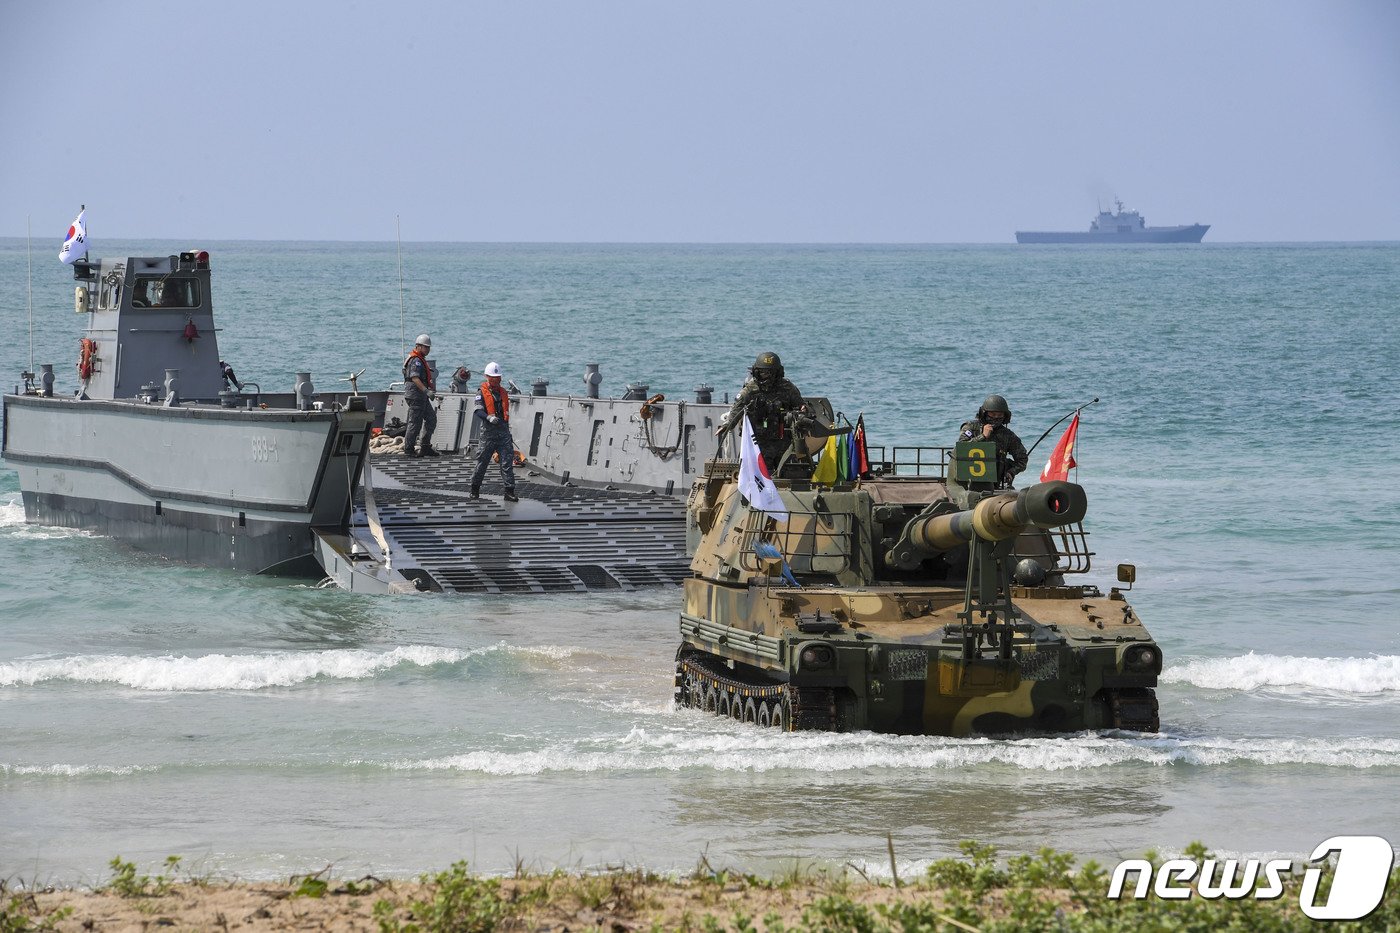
(598, 442)
(1193, 233)
(232, 488)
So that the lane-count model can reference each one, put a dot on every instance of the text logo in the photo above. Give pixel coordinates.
(1358, 880)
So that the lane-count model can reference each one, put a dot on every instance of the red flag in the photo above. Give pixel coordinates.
(1062, 457)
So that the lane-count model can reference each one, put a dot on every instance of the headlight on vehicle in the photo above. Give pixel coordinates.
(1140, 658)
(815, 657)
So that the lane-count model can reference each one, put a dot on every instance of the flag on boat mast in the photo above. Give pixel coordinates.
(75, 246)
(754, 482)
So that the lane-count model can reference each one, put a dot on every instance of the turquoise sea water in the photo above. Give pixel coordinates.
(1245, 454)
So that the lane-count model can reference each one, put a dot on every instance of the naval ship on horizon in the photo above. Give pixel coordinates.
(1118, 226)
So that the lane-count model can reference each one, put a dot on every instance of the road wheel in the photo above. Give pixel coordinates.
(765, 714)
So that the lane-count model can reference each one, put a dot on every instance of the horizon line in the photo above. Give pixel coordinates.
(123, 239)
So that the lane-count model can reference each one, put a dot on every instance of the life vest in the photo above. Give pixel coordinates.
(427, 370)
(87, 357)
(488, 401)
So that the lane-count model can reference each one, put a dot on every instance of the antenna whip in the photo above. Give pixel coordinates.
(403, 347)
(29, 250)
(1060, 422)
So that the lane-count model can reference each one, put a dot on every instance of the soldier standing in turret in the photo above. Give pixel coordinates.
(766, 398)
(991, 424)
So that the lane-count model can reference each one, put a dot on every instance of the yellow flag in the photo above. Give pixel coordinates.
(826, 466)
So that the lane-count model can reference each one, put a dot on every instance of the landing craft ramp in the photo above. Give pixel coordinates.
(602, 498)
(557, 538)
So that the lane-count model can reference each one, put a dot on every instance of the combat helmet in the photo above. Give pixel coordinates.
(769, 365)
(994, 403)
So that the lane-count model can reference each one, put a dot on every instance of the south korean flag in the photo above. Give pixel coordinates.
(75, 247)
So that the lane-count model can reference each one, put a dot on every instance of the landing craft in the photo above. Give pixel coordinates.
(162, 447)
(881, 604)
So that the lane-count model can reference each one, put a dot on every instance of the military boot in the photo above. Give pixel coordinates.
(430, 451)
(511, 496)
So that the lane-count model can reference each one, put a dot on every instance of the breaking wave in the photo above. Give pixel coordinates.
(12, 522)
(250, 671)
(71, 770)
(1358, 676)
(761, 751)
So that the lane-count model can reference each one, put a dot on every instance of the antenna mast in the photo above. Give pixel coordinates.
(403, 347)
(29, 252)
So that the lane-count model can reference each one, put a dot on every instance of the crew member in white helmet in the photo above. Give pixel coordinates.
(493, 408)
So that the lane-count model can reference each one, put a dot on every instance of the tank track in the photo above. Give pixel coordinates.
(1134, 709)
(704, 685)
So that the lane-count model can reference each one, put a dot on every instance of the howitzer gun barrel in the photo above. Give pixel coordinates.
(1044, 505)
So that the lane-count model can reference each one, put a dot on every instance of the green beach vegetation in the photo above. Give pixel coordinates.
(976, 891)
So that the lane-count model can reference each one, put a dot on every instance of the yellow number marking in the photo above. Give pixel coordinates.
(979, 468)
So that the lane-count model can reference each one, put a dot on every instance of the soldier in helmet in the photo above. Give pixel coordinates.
(419, 392)
(992, 424)
(493, 409)
(766, 397)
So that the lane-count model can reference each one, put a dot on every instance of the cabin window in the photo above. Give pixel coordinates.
(164, 292)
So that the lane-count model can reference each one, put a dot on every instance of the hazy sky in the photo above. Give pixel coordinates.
(751, 121)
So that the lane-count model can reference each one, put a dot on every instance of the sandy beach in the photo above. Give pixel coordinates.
(979, 892)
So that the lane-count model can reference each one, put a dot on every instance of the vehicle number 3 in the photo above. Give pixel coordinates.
(977, 467)
(264, 449)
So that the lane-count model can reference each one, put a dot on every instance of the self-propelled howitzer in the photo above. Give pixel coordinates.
(881, 605)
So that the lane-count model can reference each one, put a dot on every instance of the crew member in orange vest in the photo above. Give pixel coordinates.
(493, 408)
(418, 394)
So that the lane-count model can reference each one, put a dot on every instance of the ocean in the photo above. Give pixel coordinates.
(1244, 453)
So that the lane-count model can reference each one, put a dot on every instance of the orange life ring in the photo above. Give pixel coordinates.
(87, 357)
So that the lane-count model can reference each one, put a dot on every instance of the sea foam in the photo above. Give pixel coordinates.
(756, 751)
(1359, 676)
(248, 671)
(64, 770)
(12, 523)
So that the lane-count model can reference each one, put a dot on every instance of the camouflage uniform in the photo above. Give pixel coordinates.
(766, 408)
(1011, 453)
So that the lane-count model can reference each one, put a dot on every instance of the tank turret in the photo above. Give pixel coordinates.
(880, 604)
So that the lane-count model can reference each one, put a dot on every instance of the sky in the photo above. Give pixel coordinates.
(715, 121)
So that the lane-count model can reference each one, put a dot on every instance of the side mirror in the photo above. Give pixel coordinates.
(1127, 573)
